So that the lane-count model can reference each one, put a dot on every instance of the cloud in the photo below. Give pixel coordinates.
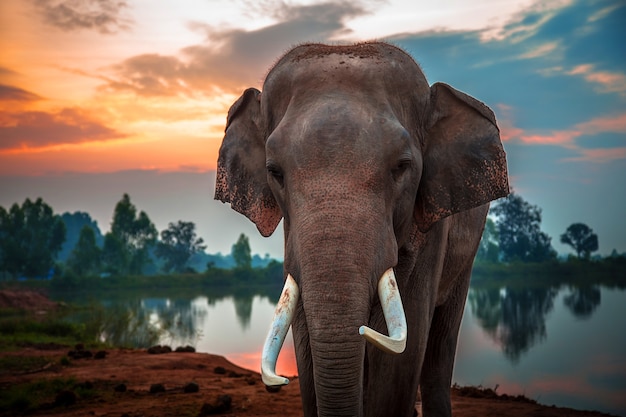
(6, 71)
(607, 81)
(104, 16)
(10, 93)
(37, 129)
(541, 50)
(230, 59)
(572, 139)
(599, 155)
(526, 23)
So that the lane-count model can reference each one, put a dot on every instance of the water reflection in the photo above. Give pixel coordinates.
(554, 344)
(243, 309)
(582, 301)
(177, 319)
(515, 318)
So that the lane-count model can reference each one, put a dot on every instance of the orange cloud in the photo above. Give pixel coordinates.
(104, 16)
(604, 124)
(608, 82)
(566, 138)
(35, 129)
(12, 93)
(599, 155)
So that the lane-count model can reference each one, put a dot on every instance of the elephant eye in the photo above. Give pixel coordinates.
(276, 173)
(401, 167)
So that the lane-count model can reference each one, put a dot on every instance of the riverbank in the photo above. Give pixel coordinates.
(46, 380)
(44, 372)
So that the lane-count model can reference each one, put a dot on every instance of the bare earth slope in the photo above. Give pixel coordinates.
(120, 384)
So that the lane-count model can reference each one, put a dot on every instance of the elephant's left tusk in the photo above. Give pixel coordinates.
(391, 303)
(283, 315)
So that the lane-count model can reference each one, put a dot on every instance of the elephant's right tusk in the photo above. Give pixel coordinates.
(283, 315)
(391, 303)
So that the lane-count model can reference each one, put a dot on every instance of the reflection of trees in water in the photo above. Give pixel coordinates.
(514, 318)
(144, 322)
(582, 301)
(243, 298)
(181, 320)
(127, 324)
(243, 309)
(140, 321)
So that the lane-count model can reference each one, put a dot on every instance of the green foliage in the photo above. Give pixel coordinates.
(85, 259)
(489, 249)
(28, 396)
(74, 223)
(581, 238)
(241, 253)
(126, 246)
(608, 271)
(31, 235)
(518, 227)
(19, 328)
(178, 243)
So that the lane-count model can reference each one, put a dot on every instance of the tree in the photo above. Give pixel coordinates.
(74, 223)
(520, 236)
(488, 249)
(581, 238)
(85, 259)
(178, 243)
(241, 253)
(30, 238)
(131, 236)
(115, 256)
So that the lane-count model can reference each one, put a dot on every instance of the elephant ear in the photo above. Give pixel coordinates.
(241, 173)
(464, 162)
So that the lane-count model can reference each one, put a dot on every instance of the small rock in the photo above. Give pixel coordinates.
(101, 354)
(191, 387)
(120, 388)
(65, 398)
(79, 346)
(220, 370)
(157, 388)
(273, 388)
(233, 374)
(79, 354)
(220, 406)
(186, 349)
(158, 349)
(250, 380)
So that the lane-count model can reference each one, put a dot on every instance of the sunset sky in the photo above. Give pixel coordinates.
(103, 97)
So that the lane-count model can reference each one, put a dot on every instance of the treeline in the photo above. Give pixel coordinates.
(513, 247)
(71, 250)
(513, 235)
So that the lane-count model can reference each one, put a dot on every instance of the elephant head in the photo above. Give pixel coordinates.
(365, 162)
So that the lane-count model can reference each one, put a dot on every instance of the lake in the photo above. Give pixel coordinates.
(564, 346)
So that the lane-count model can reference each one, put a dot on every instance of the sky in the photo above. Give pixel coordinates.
(104, 97)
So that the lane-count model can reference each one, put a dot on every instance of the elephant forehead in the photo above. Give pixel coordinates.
(377, 68)
(328, 135)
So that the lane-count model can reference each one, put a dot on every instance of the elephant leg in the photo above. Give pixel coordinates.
(438, 364)
(400, 372)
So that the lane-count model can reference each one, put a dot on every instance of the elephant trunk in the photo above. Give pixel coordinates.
(337, 265)
(337, 352)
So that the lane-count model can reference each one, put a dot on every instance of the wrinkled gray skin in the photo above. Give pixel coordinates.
(370, 168)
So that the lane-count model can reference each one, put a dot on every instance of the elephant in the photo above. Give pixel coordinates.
(383, 183)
